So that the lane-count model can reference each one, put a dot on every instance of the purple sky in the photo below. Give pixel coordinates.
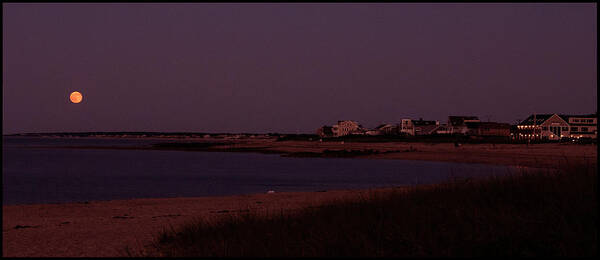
(291, 67)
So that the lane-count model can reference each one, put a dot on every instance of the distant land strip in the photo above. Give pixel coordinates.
(538, 155)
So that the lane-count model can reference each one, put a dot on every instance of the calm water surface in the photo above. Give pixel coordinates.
(34, 172)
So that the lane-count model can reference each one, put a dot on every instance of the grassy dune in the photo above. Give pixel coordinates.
(525, 214)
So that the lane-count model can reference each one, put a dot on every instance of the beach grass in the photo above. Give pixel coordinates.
(544, 213)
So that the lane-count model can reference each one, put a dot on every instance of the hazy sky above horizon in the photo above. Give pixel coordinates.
(291, 67)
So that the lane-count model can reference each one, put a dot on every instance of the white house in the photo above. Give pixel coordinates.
(407, 127)
(582, 126)
(347, 127)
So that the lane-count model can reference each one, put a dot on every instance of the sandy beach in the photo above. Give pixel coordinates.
(106, 228)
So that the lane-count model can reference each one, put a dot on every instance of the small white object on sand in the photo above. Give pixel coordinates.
(271, 191)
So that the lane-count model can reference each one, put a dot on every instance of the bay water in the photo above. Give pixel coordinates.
(35, 171)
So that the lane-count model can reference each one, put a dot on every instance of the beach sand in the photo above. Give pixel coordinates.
(106, 228)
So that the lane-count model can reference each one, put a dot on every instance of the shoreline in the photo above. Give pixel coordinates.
(105, 228)
(544, 155)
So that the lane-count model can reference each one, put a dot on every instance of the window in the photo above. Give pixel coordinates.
(574, 129)
(545, 128)
(565, 128)
(590, 120)
(584, 129)
(576, 120)
(555, 130)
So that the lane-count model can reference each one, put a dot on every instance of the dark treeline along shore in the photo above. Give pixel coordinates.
(125, 133)
(550, 213)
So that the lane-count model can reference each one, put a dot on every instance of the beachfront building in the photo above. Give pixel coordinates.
(542, 126)
(582, 126)
(407, 127)
(555, 127)
(425, 127)
(347, 127)
(442, 129)
(457, 124)
(386, 129)
(418, 127)
(488, 129)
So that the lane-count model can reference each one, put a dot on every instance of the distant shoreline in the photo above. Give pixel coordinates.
(542, 155)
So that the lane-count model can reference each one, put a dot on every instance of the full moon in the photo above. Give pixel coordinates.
(76, 97)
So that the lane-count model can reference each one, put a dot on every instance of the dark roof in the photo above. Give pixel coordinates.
(487, 125)
(459, 120)
(421, 122)
(383, 125)
(539, 118)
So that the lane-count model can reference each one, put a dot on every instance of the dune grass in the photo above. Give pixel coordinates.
(524, 214)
